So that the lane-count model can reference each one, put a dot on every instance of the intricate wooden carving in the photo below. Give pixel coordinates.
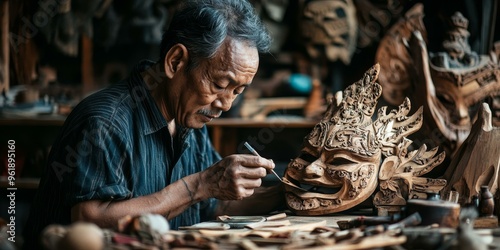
(374, 18)
(403, 169)
(328, 27)
(340, 161)
(458, 53)
(449, 85)
(477, 162)
(393, 56)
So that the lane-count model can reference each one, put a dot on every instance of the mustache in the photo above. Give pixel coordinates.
(209, 112)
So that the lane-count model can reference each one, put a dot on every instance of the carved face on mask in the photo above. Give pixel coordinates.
(340, 161)
(329, 28)
(450, 84)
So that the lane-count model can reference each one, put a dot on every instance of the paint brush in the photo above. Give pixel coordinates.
(257, 154)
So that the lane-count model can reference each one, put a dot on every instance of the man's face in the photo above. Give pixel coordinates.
(211, 87)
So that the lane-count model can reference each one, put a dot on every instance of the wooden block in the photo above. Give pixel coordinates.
(388, 210)
(486, 222)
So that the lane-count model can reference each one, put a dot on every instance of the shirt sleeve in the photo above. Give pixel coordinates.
(95, 153)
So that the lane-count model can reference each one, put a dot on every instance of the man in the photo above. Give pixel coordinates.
(141, 145)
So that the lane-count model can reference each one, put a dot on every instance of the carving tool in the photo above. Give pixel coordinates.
(287, 182)
(257, 154)
(238, 222)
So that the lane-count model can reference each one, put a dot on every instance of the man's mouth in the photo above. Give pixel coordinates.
(212, 116)
(209, 115)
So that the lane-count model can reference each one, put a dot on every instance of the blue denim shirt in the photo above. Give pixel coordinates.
(115, 145)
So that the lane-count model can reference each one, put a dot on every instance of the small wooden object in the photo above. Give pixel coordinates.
(444, 213)
(486, 202)
(486, 222)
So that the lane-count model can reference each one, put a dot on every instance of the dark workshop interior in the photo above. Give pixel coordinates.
(382, 118)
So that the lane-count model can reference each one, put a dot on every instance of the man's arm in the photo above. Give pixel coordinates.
(169, 202)
(233, 178)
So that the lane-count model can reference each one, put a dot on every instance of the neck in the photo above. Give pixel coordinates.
(157, 84)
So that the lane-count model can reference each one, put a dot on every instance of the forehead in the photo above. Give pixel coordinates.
(236, 56)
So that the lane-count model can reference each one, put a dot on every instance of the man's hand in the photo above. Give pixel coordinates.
(235, 177)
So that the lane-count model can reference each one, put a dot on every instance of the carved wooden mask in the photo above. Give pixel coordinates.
(329, 27)
(450, 85)
(339, 164)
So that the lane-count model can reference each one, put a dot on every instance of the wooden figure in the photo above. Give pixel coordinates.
(478, 160)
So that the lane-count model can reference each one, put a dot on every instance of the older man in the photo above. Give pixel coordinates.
(141, 145)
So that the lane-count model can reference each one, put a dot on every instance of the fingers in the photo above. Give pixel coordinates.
(238, 190)
(236, 176)
(252, 161)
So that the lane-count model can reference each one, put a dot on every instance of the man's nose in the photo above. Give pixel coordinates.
(224, 102)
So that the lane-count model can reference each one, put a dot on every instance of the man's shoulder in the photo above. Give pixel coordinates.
(110, 103)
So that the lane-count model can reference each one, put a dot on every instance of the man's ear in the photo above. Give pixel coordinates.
(175, 59)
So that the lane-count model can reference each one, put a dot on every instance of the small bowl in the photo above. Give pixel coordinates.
(443, 213)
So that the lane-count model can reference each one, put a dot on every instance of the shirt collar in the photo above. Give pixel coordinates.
(142, 97)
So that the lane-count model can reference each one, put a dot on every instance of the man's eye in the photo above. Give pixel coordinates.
(217, 86)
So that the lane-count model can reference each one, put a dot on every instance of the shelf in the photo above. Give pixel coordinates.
(23, 183)
(289, 122)
(225, 131)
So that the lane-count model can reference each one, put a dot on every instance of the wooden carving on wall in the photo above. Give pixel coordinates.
(340, 162)
(328, 31)
(450, 85)
(328, 27)
(478, 160)
(374, 18)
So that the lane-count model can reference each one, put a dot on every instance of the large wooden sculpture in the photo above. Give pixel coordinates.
(479, 162)
(340, 162)
(450, 85)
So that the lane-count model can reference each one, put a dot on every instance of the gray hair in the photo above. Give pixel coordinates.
(203, 25)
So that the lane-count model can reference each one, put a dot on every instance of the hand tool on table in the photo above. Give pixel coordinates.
(368, 221)
(207, 225)
(412, 220)
(242, 221)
